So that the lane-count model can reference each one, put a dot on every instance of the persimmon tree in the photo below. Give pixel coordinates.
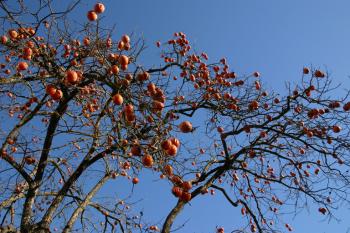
(79, 110)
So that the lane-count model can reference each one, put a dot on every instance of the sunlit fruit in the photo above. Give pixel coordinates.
(4, 39)
(187, 185)
(13, 34)
(154, 228)
(92, 15)
(99, 8)
(254, 105)
(166, 144)
(172, 151)
(151, 87)
(123, 60)
(125, 39)
(58, 95)
(50, 90)
(72, 76)
(135, 180)
(22, 66)
(185, 127)
(157, 106)
(168, 170)
(144, 76)
(115, 69)
(86, 41)
(118, 99)
(176, 180)
(127, 46)
(175, 141)
(27, 52)
(121, 45)
(147, 160)
(177, 191)
(124, 67)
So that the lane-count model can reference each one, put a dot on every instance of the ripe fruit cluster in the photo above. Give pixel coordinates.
(92, 15)
(147, 160)
(181, 189)
(170, 146)
(124, 62)
(156, 93)
(55, 93)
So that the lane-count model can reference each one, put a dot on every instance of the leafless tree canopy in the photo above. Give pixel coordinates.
(78, 110)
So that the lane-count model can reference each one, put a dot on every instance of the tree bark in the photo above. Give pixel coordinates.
(171, 217)
(82, 206)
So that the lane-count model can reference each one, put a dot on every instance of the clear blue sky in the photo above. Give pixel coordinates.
(274, 37)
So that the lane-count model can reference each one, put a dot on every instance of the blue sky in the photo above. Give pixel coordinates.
(276, 38)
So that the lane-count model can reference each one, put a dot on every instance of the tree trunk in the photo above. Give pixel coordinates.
(171, 217)
(8, 229)
(34, 229)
